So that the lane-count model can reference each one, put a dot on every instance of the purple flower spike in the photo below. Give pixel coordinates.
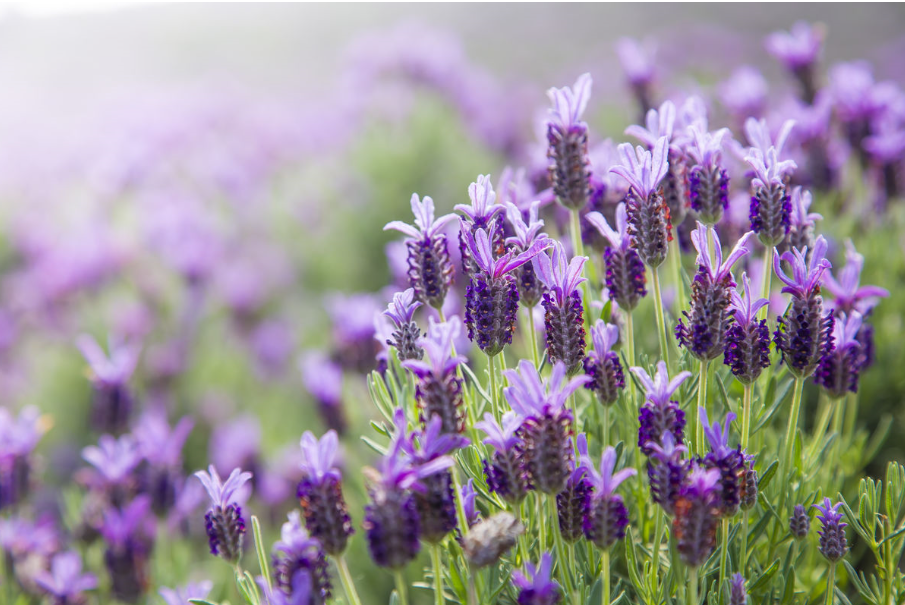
(469, 497)
(737, 593)
(573, 501)
(536, 586)
(504, 471)
(430, 272)
(439, 390)
(483, 213)
(643, 169)
(567, 138)
(564, 312)
(658, 414)
(729, 462)
(770, 207)
(607, 516)
(697, 518)
(847, 290)
(162, 447)
(799, 523)
(801, 222)
(225, 524)
(708, 181)
(747, 348)
(114, 459)
(530, 288)
(833, 544)
(839, 369)
(530, 396)
(65, 582)
(405, 336)
(297, 552)
(624, 277)
(799, 50)
(436, 502)
(638, 61)
(806, 273)
(717, 436)
(320, 493)
(602, 365)
(323, 378)
(129, 536)
(666, 471)
(18, 438)
(110, 377)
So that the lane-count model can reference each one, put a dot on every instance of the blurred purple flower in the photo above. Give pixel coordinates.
(181, 595)
(65, 582)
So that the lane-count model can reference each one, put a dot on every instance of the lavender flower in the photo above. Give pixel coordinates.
(648, 216)
(320, 493)
(770, 205)
(405, 337)
(436, 501)
(729, 462)
(839, 368)
(491, 538)
(748, 484)
(567, 136)
(180, 596)
(799, 523)
(545, 449)
(536, 586)
(744, 94)
(624, 276)
(469, 496)
(18, 438)
(483, 213)
(573, 501)
(110, 377)
(849, 295)
(833, 544)
(65, 582)
(737, 593)
(161, 447)
(638, 63)
(224, 521)
(439, 389)
(799, 50)
(323, 378)
(801, 222)
(430, 272)
(353, 330)
(129, 536)
(666, 471)
(504, 471)
(297, 551)
(114, 461)
(491, 301)
(602, 364)
(804, 333)
(607, 516)
(747, 348)
(711, 292)
(658, 414)
(708, 181)
(530, 288)
(697, 516)
(564, 312)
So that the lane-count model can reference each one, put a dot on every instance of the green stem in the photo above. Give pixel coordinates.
(746, 414)
(675, 259)
(578, 250)
(400, 587)
(768, 276)
(346, 579)
(744, 551)
(793, 426)
(560, 545)
(493, 395)
(838, 414)
(460, 506)
(702, 403)
(830, 583)
(661, 319)
(851, 415)
(533, 330)
(541, 530)
(605, 571)
(438, 575)
(724, 552)
(655, 548)
(692, 586)
(606, 425)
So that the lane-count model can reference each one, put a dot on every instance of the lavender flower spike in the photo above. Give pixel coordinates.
(747, 349)
(666, 471)
(708, 181)
(737, 593)
(638, 62)
(847, 290)
(573, 501)
(696, 519)
(564, 312)
(624, 277)
(703, 330)
(545, 451)
(297, 552)
(439, 389)
(801, 222)
(405, 338)
(225, 524)
(504, 471)
(839, 369)
(567, 137)
(804, 333)
(430, 272)
(18, 438)
(602, 364)
(65, 582)
(535, 586)
(833, 544)
(658, 414)
(491, 300)
(729, 462)
(320, 493)
(607, 516)
(648, 215)
(799, 50)
(770, 207)
(530, 288)
(110, 377)
(436, 502)
(483, 213)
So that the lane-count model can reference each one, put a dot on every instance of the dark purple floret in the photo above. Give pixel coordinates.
(442, 397)
(567, 138)
(708, 321)
(675, 185)
(708, 192)
(546, 451)
(506, 476)
(225, 529)
(732, 471)
(833, 544)
(747, 350)
(697, 517)
(606, 521)
(748, 485)
(537, 588)
(405, 341)
(572, 506)
(624, 277)
(606, 376)
(110, 376)
(326, 514)
(129, 544)
(657, 420)
(430, 271)
(769, 213)
(650, 227)
(839, 369)
(392, 527)
(564, 330)
(865, 338)
(530, 289)
(491, 305)
(666, 471)
(483, 213)
(799, 523)
(737, 593)
(112, 408)
(804, 334)
(297, 552)
(771, 207)
(436, 507)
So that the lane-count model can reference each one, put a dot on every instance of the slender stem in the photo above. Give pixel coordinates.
(460, 505)
(400, 587)
(559, 544)
(605, 571)
(675, 259)
(702, 403)
(661, 319)
(838, 413)
(692, 586)
(793, 426)
(655, 548)
(523, 537)
(346, 579)
(572, 565)
(830, 583)
(823, 421)
(606, 425)
(891, 563)
(746, 414)
(724, 552)
(542, 536)
(744, 551)
(472, 598)
(491, 369)
(438, 575)
(851, 415)
(578, 250)
(533, 330)
(768, 276)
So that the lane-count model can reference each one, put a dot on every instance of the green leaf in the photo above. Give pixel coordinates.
(262, 553)
(764, 580)
(607, 311)
(789, 592)
(374, 445)
(596, 593)
(630, 561)
(476, 383)
(765, 479)
(201, 602)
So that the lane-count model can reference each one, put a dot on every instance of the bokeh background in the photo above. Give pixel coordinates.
(205, 179)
